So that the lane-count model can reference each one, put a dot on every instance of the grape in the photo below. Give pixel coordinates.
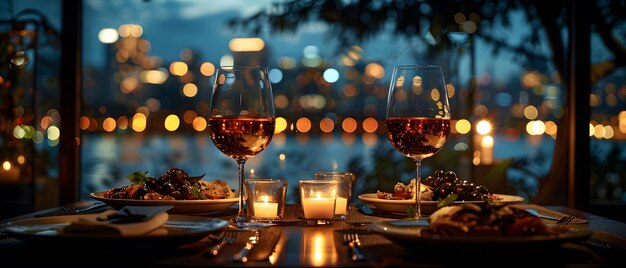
(444, 190)
(430, 181)
(176, 174)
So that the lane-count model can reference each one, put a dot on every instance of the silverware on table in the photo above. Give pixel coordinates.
(228, 237)
(562, 220)
(71, 209)
(242, 255)
(351, 238)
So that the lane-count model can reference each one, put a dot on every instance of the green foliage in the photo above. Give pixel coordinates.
(138, 177)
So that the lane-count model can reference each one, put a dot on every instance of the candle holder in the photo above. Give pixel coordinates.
(265, 199)
(318, 199)
(344, 191)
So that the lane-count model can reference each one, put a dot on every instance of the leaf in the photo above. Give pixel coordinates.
(138, 177)
(449, 200)
(197, 193)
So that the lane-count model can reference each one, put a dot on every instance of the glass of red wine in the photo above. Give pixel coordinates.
(242, 118)
(418, 116)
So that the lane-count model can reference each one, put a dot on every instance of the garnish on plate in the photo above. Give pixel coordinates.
(175, 184)
(444, 187)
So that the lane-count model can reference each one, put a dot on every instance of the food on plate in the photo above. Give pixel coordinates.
(485, 219)
(443, 185)
(174, 184)
(405, 192)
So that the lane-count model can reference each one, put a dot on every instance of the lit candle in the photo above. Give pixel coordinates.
(318, 207)
(265, 209)
(341, 206)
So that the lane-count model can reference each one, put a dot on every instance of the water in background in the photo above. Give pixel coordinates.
(106, 159)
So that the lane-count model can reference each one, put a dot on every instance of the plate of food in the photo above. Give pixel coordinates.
(479, 226)
(187, 194)
(443, 188)
(177, 230)
(428, 206)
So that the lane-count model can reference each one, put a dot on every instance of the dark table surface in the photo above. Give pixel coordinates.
(294, 244)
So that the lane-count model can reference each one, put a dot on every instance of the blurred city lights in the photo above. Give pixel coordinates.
(531, 112)
(349, 125)
(109, 124)
(327, 125)
(21, 159)
(83, 123)
(276, 75)
(207, 69)
(331, 75)
(53, 133)
(483, 127)
(139, 122)
(281, 101)
(227, 60)
(190, 90)
(280, 125)
(6, 165)
(463, 126)
(370, 125)
(199, 124)
(172, 122)
(246, 44)
(108, 35)
(487, 142)
(375, 70)
(178, 68)
(153, 76)
(303, 124)
(122, 122)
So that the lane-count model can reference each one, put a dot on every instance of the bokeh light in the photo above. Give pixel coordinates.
(483, 127)
(172, 122)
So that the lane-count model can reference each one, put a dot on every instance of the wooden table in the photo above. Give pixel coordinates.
(320, 246)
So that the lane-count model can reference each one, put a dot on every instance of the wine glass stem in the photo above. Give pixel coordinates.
(418, 199)
(241, 214)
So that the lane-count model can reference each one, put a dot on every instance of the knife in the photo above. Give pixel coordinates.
(242, 255)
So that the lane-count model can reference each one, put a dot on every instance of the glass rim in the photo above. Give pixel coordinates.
(314, 181)
(334, 173)
(418, 67)
(266, 180)
(241, 67)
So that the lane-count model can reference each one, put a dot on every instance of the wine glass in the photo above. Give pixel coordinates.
(242, 118)
(418, 115)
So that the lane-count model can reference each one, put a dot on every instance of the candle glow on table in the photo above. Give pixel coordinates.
(318, 207)
(264, 209)
(341, 206)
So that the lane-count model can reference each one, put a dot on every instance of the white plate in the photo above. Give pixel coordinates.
(180, 206)
(178, 230)
(428, 207)
(408, 233)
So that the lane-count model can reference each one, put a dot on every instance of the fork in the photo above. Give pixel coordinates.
(228, 237)
(351, 238)
(563, 220)
(566, 219)
(71, 209)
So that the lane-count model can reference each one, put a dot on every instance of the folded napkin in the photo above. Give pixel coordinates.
(128, 221)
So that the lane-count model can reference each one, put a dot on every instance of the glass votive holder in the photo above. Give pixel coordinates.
(265, 199)
(344, 191)
(318, 201)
